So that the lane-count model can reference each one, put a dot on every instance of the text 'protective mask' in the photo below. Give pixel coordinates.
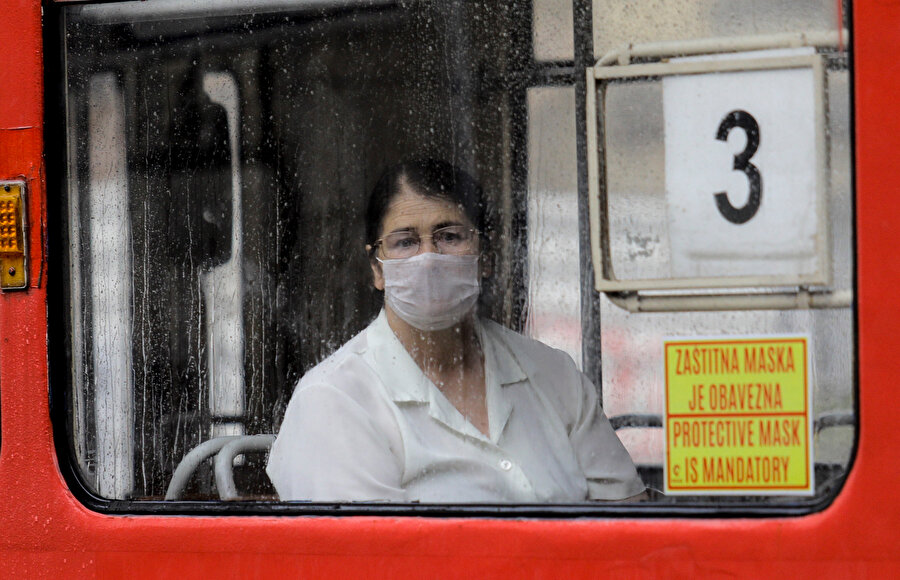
(431, 291)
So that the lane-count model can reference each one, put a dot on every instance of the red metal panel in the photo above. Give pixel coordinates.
(45, 532)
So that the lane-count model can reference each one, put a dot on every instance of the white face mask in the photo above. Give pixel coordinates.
(431, 291)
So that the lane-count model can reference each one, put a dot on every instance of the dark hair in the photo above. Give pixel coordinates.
(429, 178)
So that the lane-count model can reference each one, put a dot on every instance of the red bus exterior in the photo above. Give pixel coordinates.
(47, 532)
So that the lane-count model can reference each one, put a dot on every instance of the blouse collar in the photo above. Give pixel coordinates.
(406, 383)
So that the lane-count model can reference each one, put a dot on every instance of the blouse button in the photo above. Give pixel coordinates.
(505, 464)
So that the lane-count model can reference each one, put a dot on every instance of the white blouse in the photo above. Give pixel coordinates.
(366, 424)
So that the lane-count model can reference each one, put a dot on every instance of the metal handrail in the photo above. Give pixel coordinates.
(835, 419)
(801, 299)
(629, 420)
(644, 420)
(225, 449)
(225, 461)
(191, 461)
(816, 38)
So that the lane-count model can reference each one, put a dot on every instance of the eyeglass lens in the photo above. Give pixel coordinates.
(449, 240)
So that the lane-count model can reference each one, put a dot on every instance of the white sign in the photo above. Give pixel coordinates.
(741, 171)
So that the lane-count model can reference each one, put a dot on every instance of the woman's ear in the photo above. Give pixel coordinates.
(377, 274)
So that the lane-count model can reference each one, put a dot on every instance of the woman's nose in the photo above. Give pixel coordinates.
(426, 244)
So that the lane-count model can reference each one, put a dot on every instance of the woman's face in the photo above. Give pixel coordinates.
(411, 212)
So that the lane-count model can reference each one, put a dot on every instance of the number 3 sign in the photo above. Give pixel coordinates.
(743, 171)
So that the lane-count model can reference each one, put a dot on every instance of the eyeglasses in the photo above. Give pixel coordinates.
(449, 240)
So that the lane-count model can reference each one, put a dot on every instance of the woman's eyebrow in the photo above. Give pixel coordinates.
(443, 224)
(446, 224)
(406, 229)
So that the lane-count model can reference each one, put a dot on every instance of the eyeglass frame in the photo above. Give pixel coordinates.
(374, 247)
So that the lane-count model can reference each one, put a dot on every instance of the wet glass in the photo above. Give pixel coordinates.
(633, 125)
(219, 159)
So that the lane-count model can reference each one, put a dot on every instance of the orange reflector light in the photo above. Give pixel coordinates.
(12, 235)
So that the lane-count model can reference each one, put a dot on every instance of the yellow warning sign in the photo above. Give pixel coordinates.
(738, 416)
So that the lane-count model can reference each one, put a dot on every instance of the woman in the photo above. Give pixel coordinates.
(431, 403)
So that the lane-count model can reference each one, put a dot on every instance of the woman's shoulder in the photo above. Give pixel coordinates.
(344, 380)
(550, 371)
(338, 363)
(347, 374)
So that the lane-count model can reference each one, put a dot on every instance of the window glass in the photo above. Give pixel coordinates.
(220, 161)
(554, 265)
(554, 30)
(633, 123)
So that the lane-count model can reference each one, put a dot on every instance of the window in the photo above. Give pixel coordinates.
(219, 158)
(638, 119)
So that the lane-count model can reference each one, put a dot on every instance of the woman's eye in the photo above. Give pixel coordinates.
(406, 242)
(448, 238)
